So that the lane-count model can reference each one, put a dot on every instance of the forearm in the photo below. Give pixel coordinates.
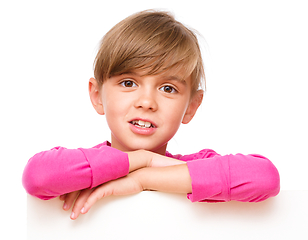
(174, 179)
(142, 158)
(138, 159)
(246, 178)
(55, 172)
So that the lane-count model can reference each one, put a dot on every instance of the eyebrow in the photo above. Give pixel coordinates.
(176, 78)
(165, 77)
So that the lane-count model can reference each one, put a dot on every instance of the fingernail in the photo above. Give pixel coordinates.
(72, 215)
(65, 206)
(82, 210)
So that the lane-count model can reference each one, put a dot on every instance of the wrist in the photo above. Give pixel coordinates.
(138, 177)
(174, 178)
(138, 159)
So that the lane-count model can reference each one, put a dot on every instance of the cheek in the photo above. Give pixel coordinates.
(114, 104)
(174, 117)
(114, 112)
(177, 112)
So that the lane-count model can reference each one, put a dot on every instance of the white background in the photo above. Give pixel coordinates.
(256, 57)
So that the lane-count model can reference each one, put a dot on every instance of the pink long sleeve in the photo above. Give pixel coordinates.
(58, 171)
(215, 178)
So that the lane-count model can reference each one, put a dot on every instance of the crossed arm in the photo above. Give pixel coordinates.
(205, 176)
(147, 171)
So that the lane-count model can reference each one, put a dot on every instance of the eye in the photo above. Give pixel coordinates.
(128, 84)
(168, 89)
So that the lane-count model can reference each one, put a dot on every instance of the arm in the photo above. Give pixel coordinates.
(49, 174)
(208, 176)
(54, 172)
(216, 178)
(246, 178)
(162, 174)
(165, 179)
(58, 171)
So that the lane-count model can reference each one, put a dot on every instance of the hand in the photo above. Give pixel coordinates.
(87, 197)
(69, 199)
(130, 184)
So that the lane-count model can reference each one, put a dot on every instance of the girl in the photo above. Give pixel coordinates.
(148, 73)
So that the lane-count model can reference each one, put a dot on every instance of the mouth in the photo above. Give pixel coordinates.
(142, 124)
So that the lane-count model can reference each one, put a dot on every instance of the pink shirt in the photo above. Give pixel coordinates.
(215, 178)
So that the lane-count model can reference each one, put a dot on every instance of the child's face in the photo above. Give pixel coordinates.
(145, 112)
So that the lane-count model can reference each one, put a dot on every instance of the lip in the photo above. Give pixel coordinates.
(142, 131)
(145, 120)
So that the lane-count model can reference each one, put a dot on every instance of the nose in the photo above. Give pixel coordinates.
(147, 101)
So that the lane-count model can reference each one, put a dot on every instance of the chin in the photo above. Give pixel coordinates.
(161, 149)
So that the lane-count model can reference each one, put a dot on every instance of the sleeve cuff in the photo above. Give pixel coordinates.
(106, 163)
(210, 179)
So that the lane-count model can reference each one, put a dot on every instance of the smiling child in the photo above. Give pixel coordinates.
(148, 77)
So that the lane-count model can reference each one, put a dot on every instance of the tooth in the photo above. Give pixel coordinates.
(141, 123)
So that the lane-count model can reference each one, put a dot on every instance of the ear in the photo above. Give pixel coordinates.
(193, 106)
(95, 96)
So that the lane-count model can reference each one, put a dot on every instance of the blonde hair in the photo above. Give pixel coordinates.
(152, 41)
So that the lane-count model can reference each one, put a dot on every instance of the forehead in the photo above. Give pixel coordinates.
(168, 75)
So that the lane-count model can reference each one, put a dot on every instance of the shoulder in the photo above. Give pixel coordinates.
(104, 144)
(204, 153)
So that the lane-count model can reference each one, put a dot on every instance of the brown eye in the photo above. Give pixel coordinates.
(128, 84)
(168, 89)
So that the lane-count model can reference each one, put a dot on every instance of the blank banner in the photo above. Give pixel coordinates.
(155, 215)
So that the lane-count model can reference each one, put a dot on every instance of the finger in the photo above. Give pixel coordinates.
(62, 197)
(79, 203)
(69, 199)
(97, 194)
